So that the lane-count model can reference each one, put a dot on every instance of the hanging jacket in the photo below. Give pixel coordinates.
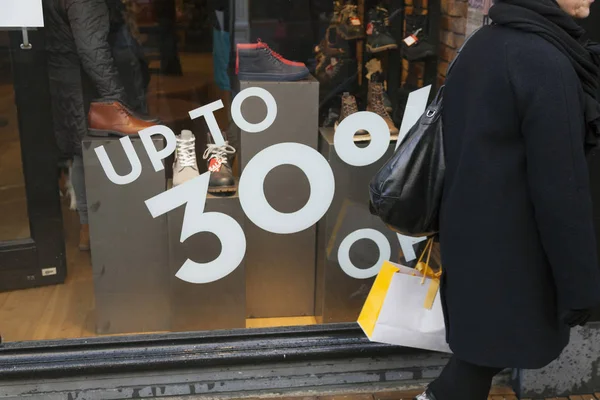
(80, 66)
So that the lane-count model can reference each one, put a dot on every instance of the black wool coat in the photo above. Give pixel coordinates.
(516, 232)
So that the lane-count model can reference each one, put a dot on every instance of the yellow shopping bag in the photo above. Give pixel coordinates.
(403, 307)
(370, 312)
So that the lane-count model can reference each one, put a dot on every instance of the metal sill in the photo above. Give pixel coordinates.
(118, 354)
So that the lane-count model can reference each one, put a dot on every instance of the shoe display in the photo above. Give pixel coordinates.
(185, 166)
(336, 17)
(350, 26)
(330, 45)
(84, 237)
(350, 107)
(379, 37)
(377, 75)
(418, 51)
(112, 118)
(373, 66)
(337, 77)
(375, 104)
(257, 61)
(219, 160)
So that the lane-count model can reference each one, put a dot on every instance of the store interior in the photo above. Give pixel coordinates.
(365, 55)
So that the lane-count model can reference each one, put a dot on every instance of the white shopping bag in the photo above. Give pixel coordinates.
(395, 313)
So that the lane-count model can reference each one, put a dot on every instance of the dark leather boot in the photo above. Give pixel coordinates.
(112, 118)
(219, 161)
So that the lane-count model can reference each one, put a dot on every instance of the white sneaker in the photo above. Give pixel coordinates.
(185, 167)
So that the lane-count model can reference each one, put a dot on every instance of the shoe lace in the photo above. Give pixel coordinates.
(218, 152)
(276, 57)
(186, 152)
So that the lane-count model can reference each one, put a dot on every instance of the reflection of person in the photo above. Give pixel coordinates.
(167, 21)
(516, 230)
(81, 68)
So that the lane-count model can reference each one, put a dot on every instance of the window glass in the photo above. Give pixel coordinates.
(215, 156)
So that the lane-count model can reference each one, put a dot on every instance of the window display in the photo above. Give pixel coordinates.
(233, 170)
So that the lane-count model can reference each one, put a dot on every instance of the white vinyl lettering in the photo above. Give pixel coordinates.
(195, 220)
(348, 151)
(415, 107)
(317, 171)
(385, 252)
(236, 109)
(407, 243)
(109, 169)
(155, 156)
(208, 112)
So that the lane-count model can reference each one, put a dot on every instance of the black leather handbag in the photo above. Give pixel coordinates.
(406, 193)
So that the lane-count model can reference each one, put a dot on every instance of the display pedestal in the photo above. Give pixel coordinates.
(208, 306)
(281, 268)
(129, 247)
(340, 297)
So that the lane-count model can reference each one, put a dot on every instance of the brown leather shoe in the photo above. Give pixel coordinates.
(84, 237)
(111, 118)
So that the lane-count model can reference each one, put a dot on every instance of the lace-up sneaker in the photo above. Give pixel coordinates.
(185, 167)
(221, 175)
(376, 104)
(379, 37)
(257, 61)
(350, 26)
(349, 107)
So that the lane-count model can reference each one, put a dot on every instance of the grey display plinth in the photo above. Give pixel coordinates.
(209, 306)
(280, 269)
(340, 297)
(575, 371)
(129, 247)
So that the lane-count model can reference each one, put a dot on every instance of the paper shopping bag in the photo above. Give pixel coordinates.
(395, 311)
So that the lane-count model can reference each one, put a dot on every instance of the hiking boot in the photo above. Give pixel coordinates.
(257, 61)
(113, 118)
(375, 104)
(379, 37)
(377, 76)
(219, 160)
(349, 107)
(350, 26)
(185, 167)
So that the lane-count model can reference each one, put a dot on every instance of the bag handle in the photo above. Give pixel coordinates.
(459, 50)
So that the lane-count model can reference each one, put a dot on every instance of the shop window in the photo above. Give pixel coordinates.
(208, 181)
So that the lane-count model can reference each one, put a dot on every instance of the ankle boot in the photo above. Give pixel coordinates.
(84, 237)
(219, 161)
(375, 103)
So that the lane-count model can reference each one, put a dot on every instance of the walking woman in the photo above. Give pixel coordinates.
(516, 233)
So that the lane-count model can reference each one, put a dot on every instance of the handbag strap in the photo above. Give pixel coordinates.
(459, 50)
